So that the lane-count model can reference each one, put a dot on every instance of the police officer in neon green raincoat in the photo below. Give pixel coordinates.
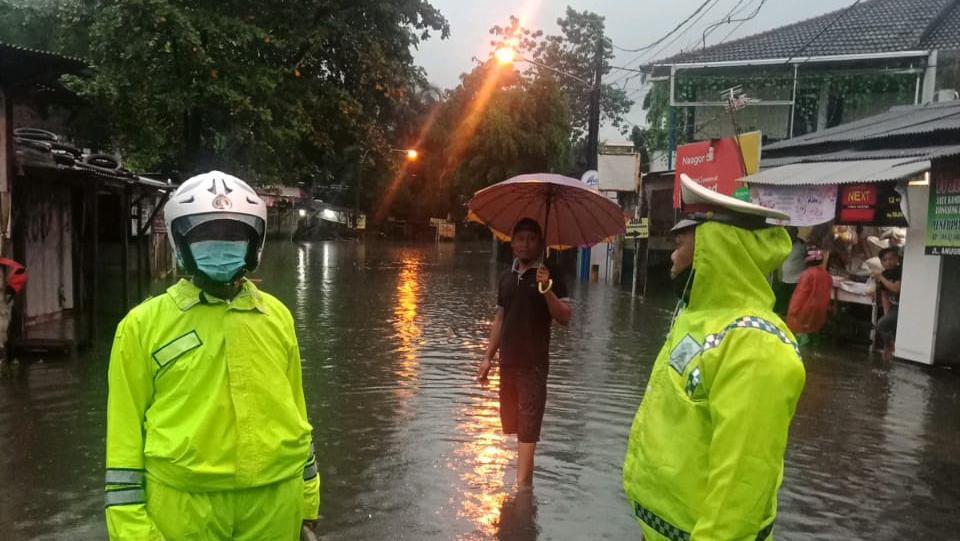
(705, 457)
(207, 431)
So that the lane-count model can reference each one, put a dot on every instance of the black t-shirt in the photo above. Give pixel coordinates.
(525, 337)
(894, 275)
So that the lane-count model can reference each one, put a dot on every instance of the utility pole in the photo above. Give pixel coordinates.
(593, 128)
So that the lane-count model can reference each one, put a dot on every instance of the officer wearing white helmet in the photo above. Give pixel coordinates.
(207, 431)
(705, 456)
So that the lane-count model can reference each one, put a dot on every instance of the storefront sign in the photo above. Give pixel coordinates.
(806, 205)
(858, 204)
(870, 204)
(943, 220)
(716, 164)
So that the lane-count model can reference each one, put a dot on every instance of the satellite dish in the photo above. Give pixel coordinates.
(591, 178)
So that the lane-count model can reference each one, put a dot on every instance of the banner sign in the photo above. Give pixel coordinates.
(870, 204)
(807, 206)
(716, 164)
(943, 219)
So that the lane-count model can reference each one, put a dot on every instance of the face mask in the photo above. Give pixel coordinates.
(220, 260)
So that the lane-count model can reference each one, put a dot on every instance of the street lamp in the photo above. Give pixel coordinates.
(507, 54)
(410, 153)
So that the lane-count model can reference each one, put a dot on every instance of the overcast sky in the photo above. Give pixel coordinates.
(630, 24)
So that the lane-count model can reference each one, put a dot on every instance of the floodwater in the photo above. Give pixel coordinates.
(409, 445)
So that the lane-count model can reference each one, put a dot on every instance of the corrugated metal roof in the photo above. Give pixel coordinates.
(925, 153)
(844, 172)
(898, 121)
(874, 26)
(19, 49)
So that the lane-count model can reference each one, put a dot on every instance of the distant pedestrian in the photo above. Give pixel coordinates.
(889, 281)
(810, 304)
(207, 431)
(789, 273)
(705, 456)
(529, 299)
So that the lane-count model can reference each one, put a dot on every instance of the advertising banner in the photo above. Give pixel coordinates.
(716, 164)
(943, 218)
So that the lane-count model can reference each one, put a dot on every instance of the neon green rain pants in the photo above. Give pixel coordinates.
(269, 513)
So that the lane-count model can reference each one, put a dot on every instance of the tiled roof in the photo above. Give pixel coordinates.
(874, 26)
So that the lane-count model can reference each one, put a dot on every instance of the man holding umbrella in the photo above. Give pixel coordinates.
(705, 458)
(535, 211)
(528, 301)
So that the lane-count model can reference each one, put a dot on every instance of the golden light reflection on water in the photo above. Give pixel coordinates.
(406, 327)
(483, 460)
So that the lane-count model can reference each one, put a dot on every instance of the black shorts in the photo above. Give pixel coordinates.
(523, 395)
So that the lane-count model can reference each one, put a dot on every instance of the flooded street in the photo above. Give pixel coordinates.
(409, 445)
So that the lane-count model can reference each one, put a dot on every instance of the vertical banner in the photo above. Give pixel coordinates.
(716, 164)
(943, 218)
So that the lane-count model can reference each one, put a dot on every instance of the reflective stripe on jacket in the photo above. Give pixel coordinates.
(205, 395)
(705, 457)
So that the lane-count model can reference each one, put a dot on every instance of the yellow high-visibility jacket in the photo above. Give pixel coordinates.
(204, 395)
(705, 457)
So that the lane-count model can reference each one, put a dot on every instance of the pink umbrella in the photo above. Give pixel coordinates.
(575, 214)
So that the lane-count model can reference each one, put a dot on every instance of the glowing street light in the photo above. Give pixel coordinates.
(411, 154)
(505, 55)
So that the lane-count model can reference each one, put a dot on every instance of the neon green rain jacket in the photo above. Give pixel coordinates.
(204, 396)
(705, 458)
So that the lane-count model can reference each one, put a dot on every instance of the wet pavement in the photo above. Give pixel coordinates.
(409, 445)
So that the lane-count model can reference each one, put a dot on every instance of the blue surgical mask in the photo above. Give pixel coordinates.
(220, 260)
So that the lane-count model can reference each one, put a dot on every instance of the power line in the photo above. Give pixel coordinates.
(699, 11)
(741, 22)
(668, 34)
(726, 19)
(822, 30)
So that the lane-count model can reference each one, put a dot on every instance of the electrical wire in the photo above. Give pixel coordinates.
(668, 34)
(700, 11)
(822, 31)
(726, 19)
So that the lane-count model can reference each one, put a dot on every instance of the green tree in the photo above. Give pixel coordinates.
(574, 51)
(272, 90)
(496, 124)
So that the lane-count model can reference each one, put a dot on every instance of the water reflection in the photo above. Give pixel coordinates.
(407, 328)
(483, 459)
(410, 446)
(518, 517)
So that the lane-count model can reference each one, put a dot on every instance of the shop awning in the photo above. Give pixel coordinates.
(839, 172)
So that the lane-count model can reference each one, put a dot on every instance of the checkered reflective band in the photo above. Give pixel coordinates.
(749, 322)
(662, 527)
(673, 533)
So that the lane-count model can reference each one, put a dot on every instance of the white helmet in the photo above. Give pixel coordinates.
(215, 196)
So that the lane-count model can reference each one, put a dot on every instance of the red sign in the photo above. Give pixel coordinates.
(715, 164)
(858, 204)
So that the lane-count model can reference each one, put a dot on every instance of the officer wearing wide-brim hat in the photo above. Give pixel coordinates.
(705, 458)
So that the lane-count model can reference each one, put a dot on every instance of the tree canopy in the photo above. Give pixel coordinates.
(274, 90)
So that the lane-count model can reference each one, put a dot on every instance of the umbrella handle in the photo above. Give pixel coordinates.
(548, 288)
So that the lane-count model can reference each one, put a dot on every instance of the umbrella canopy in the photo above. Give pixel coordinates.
(569, 212)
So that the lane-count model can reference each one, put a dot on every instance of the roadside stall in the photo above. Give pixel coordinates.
(851, 210)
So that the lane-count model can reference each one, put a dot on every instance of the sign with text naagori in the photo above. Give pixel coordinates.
(716, 164)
